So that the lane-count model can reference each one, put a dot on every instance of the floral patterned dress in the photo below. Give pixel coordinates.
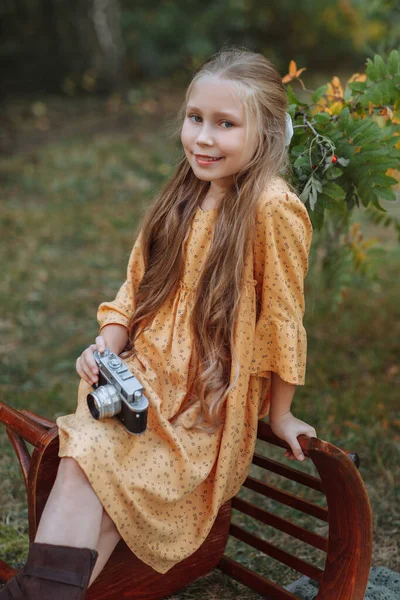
(163, 488)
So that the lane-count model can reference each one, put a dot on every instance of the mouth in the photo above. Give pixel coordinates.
(202, 158)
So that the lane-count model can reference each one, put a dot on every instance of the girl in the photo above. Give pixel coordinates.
(209, 320)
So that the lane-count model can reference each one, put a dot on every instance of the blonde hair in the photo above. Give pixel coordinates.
(166, 225)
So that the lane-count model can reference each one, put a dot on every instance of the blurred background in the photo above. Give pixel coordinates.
(53, 45)
(89, 93)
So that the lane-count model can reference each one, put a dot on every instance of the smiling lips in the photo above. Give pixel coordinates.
(202, 159)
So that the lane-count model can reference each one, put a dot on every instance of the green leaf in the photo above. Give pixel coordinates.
(317, 215)
(380, 66)
(343, 120)
(392, 141)
(319, 92)
(322, 117)
(305, 193)
(347, 94)
(357, 86)
(345, 150)
(345, 113)
(378, 206)
(386, 194)
(359, 173)
(302, 161)
(333, 172)
(317, 184)
(334, 190)
(312, 198)
(374, 94)
(383, 180)
(292, 98)
(357, 126)
(365, 192)
(371, 71)
(389, 91)
(394, 62)
(343, 161)
(369, 152)
(385, 162)
(366, 138)
(292, 110)
(297, 150)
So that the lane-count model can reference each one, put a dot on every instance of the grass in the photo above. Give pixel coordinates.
(69, 211)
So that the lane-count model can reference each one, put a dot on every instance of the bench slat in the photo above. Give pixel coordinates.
(313, 539)
(287, 498)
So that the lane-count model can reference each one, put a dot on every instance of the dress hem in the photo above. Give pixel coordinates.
(69, 454)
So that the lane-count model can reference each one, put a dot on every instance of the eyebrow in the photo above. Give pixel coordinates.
(217, 113)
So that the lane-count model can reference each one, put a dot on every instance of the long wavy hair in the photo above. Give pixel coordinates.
(166, 225)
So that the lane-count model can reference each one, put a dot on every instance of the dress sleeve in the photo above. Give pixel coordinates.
(281, 249)
(121, 309)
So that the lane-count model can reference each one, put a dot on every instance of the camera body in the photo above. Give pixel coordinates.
(118, 392)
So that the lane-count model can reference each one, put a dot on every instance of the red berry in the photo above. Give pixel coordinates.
(334, 158)
(314, 167)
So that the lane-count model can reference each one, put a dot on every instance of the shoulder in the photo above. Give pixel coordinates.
(278, 194)
(282, 215)
(279, 203)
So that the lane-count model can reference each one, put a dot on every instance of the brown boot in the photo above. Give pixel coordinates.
(52, 572)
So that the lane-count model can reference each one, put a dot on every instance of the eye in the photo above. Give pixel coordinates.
(195, 116)
(230, 123)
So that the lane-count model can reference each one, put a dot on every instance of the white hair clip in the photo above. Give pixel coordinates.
(289, 129)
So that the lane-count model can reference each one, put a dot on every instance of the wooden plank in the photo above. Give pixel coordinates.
(288, 472)
(287, 498)
(313, 539)
(277, 553)
(350, 526)
(254, 581)
(6, 571)
(22, 453)
(20, 424)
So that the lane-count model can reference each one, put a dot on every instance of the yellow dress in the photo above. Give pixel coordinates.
(163, 488)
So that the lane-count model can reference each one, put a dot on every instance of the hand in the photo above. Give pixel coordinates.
(86, 365)
(287, 427)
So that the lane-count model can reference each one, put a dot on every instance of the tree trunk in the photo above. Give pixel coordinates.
(90, 39)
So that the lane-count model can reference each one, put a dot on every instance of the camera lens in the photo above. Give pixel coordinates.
(104, 402)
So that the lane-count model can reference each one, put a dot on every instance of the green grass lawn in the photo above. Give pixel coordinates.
(69, 210)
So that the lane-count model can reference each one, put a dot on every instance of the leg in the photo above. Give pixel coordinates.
(62, 557)
(73, 513)
(108, 539)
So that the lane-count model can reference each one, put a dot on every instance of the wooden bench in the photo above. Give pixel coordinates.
(348, 546)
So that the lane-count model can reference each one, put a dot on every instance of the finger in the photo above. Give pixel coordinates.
(90, 370)
(310, 432)
(100, 343)
(88, 376)
(79, 370)
(82, 373)
(89, 359)
(297, 451)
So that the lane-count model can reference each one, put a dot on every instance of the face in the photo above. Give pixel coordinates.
(215, 127)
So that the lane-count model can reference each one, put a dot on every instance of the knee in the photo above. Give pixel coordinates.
(70, 475)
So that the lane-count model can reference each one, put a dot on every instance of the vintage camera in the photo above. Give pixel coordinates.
(118, 392)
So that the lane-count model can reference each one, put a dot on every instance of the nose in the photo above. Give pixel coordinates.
(204, 136)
